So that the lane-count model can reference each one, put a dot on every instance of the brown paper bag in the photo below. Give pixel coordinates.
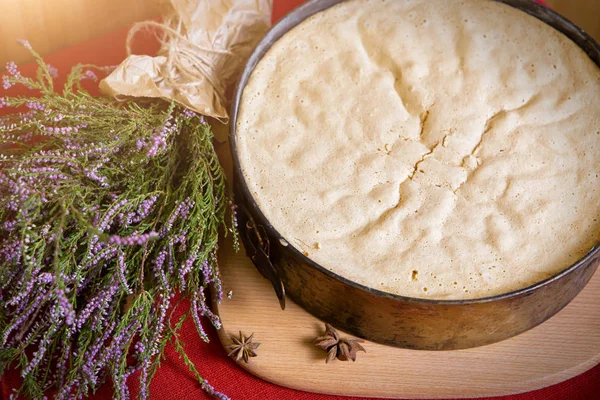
(204, 47)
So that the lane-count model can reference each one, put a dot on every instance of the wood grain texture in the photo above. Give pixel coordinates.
(51, 25)
(561, 348)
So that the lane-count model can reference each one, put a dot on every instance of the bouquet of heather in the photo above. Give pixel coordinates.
(108, 208)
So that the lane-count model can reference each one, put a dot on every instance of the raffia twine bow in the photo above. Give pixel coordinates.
(204, 46)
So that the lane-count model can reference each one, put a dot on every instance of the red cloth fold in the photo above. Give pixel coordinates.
(173, 380)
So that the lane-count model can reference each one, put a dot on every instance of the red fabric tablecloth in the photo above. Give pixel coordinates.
(173, 380)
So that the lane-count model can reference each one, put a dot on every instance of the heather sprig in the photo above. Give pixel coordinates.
(107, 210)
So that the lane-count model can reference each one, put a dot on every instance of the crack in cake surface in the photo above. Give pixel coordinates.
(427, 150)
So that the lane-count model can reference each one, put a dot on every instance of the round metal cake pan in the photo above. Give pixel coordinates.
(388, 318)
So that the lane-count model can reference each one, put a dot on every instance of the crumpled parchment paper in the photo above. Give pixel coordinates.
(204, 47)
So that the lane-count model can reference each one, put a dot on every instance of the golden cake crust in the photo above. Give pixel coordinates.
(429, 148)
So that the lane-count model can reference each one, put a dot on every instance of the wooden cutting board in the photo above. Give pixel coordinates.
(565, 346)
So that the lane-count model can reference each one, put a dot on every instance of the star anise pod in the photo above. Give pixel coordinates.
(242, 348)
(343, 349)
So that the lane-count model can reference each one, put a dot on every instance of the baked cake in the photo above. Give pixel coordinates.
(437, 149)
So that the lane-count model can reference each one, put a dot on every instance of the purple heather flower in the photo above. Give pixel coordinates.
(159, 139)
(3, 102)
(23, 294)
(219, 288)
(89, 74)
(182, 210)
(145, 209)
(92, 174)
(66, 307)
(9, 274)
(66, 389)
(32, 307)
(196, 319)
(124, 390)
(35, 105)
(100, 301)
(92, 352)
(171, 263)
(188, 113)
(159, 272)
(45, 277)
(107, 305)
(84, 314)
(65, 130)
(115, 349)
(112, 352)
(10, 225)
(165, 302)
(110, 213)
(61, 371)
(131, 240)
(52, 70)
(12, 205)
(6, 84)
(186, 268)
(188, 206)
(207, 271)
(121, 384)
(43, 170)
(24, 43)
(12, 69)
(139, 347)
(96, 248)
(203, 309)
(207, 387)
(122, 270)
(42, 347)
(234, 214)
(144, 377)
(103, 254)
(125, 218)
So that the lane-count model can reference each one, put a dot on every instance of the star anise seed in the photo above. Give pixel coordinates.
(242, 348)
(343, 349)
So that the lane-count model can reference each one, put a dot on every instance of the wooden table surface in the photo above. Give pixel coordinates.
(51, 25)
(563, 347)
